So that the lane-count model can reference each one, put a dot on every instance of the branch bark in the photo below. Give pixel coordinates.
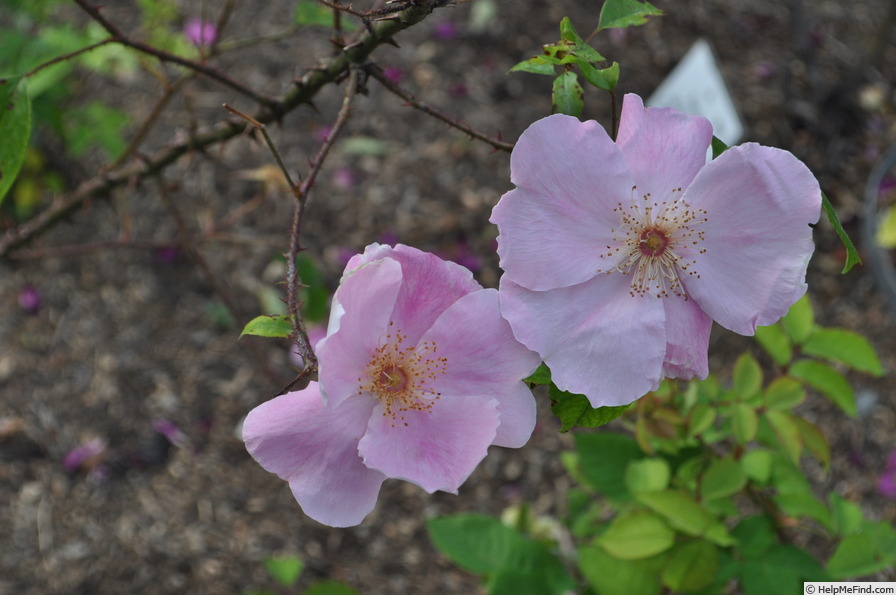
(331, 70)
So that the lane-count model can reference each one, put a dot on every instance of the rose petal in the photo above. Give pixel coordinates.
(485, 359)
(361, 310)
(664, 148)
(569, 176)
(687, 339)
(760, 202)
(435, 449)
(429, 286)
(596, 338)
(315, 448)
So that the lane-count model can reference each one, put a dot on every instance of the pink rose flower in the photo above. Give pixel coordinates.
(200, 32)
(618, 256)
(419, 375)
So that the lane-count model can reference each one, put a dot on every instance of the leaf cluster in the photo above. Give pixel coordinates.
(573, 53)
(704, 487)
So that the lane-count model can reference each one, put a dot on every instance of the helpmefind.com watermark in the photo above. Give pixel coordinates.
(828, 588)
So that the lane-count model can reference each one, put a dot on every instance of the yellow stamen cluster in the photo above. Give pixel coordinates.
(654, 241)
(400, 376)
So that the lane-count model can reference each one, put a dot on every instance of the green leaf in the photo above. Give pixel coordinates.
(846, 347)
(864, 553)
(635, 535)
(804, 505)
(567, 96)
(603, 458)
(536, 65)
(754, 535)
(700, 419)
(814, 440)
(268, 326)
(787, 433)
(576, 411)
(365, 145)
(313, 293)
(514, 582)
(718, 147)
(96, 125)
(314, 14)
(15, 130)
(852, 255)
(602, 78)
(482, 545)
(724, 477)
(625, 13)
(775, 342)
(747, 377)
(780, 571)
(541, 375)
(784, 393)
(846, 516)
(684, 513)
(757, 465)
(610, 576)
(692, 566)
(799, 322)
(828, 382)
(647, 475)
(285, 570)
(744, 422)
(567, 31)
(329, 588)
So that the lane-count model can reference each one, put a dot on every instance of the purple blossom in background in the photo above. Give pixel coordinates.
(199, 32)
(445, 30)
(394, 74)
(322, 133)
(765, 70)
(463, 255)
(85, 456)
(886, 483)
(30, 300)
(170, 431)
(419, 375)
(345, 178)
(458, 90)
(618, 256)
(167, 254)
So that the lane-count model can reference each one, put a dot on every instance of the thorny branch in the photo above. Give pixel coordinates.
(292, 280)
(119, 37)
(377, 73)
(305, 89)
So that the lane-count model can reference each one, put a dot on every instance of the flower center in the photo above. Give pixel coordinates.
(656, 242)
(400, 377)
(653, 242)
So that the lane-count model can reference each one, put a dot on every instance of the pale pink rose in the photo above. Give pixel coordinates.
(618, 256)
(419, 375)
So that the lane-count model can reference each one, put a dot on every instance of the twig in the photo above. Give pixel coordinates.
(267, 139)
(305, 89)
(70, 55)
(377, 73)
(292, 275)
(210, 72)
(148, 122)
